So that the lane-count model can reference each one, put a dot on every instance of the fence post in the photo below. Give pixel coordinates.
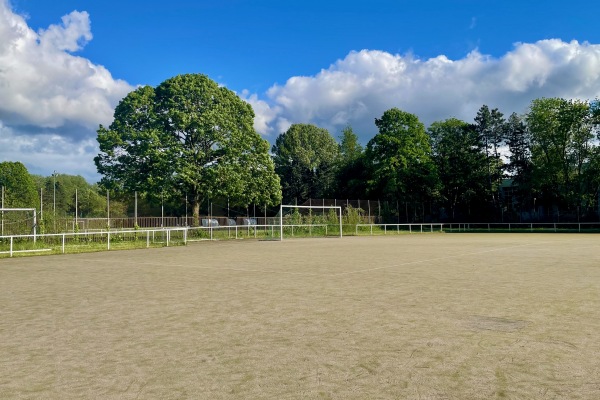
(11, 245)
(108, 239)
(147, 239)
(63, 243)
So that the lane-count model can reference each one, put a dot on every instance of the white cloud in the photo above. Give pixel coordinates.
(46, 152)
(51, 100)
(359, 88)
(49, 94)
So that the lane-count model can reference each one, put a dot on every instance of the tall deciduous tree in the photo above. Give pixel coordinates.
(306, 159)
(562, 147)
(400, 159)
(187, 137)
(462, 167)
(19, 186)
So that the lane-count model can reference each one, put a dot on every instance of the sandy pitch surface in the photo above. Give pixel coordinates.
(426, 316)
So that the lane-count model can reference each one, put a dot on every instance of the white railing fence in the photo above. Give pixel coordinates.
(99, 240)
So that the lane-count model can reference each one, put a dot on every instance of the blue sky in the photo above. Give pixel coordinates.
(331, 63)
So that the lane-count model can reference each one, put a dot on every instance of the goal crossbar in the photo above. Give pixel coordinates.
(291, 206)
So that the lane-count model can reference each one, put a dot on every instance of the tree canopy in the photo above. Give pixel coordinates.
(399, 158)
(188, 136)
(306, 158)
(19, 186)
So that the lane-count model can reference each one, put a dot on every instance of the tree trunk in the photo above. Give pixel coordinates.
(196, 211)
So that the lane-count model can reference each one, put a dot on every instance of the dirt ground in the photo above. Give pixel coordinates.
(424, 316)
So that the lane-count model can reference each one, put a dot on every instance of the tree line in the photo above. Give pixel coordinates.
(189, 138)
(535, 166)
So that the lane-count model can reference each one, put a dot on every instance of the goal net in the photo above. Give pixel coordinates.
(17, 221)
(310, 221)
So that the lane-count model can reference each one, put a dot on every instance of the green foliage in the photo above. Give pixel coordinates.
(19, 186)
(400, 159)
(520, 166)
(306, 159)
(187, 136)
(353, 216)
(462, 166)
(351, 177)
(491, 126)
(562, 151)
(350, 149)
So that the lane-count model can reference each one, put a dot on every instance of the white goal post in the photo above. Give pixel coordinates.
(291, 206)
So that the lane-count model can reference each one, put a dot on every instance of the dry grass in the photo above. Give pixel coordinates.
(433, 316)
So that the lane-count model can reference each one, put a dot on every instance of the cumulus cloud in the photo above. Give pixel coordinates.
(47, 93)
(359, 88)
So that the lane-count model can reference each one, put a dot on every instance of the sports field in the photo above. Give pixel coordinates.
(424, 316)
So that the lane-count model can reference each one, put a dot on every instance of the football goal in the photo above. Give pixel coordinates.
(310, 221)
(18, 221)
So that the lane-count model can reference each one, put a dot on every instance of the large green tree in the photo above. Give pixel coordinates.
(189, 136)
(399, 157)
(460, 157)
(562, 147)
(19, 186)
(306, 159)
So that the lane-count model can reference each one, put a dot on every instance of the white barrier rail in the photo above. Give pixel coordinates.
(524, 226)
(410, 228)
(58, 241)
